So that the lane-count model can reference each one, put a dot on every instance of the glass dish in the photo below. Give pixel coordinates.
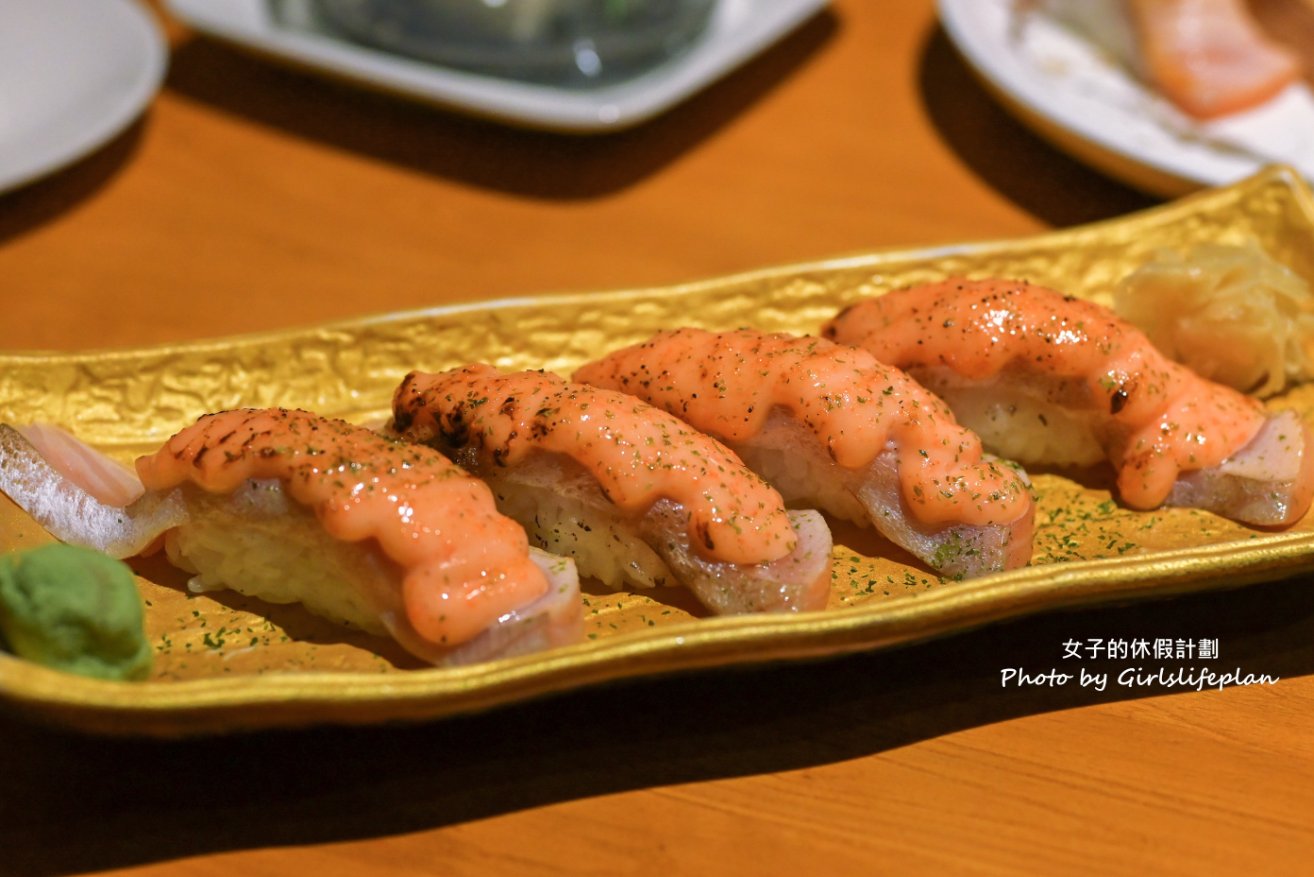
(297, 33)
(580, 43)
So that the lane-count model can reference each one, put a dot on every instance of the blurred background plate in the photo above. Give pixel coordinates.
(1076, 96)
(295, 31)
(72, 75)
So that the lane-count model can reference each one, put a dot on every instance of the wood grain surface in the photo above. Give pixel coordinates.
(252, 197)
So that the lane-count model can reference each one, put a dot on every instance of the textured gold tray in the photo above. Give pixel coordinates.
(225, 663)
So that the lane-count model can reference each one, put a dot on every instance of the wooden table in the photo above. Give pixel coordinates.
(251, 197)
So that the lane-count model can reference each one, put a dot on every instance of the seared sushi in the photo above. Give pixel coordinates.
(1050, 379)
(635, 495)
(830, 427)
(287, 506)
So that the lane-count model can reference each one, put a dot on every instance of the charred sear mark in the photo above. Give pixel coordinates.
(251, 439)
(539, 428)
(831, 329)
(404, 408)
(402, 419)
(1117, 401)
(503, 451)
(453, 429)
(406, 387)
(196, 461)
(703, 531)
(508, 408)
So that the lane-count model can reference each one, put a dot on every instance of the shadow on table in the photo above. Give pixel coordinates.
(41, 202)
(486, 154)
(1001, 151)
(75, 804)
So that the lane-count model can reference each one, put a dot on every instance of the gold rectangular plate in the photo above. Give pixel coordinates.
(226, 663)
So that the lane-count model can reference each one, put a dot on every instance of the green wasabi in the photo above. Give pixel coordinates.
(73, 609)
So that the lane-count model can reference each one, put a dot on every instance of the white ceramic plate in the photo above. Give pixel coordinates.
(1079, 98)
(73, 74)
(738, 30)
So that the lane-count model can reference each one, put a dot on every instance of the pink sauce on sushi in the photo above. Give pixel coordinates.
(637, 453)
(464, 565)
(1168, 419)
(729, 383)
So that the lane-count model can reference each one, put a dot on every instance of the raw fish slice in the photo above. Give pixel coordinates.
(72, 513)
(456, 599)
(106, 479)
(1050, 379)
(800, 580)
(832, 428)
(633, 494)
(1208, 57)
(1268, 482)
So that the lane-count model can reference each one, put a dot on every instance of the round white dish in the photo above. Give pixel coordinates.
(1076, 96)
(73, 74)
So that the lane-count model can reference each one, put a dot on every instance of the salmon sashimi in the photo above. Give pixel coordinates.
(831, 427)
(1210, 58)
(633, 494)
(291, 507)
(1050, 379)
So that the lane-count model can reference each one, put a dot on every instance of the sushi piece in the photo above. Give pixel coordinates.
(1210, 58)
(633, 494)
(1045, 378)
(832, 428)
(291, 507)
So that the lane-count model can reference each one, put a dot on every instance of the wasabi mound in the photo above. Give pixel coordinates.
(73, 609)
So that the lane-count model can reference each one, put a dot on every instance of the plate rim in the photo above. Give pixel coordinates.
(611, 108)
(1062, 124)
(290, 699)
